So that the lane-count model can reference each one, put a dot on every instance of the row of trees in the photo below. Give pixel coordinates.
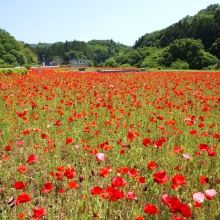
(96, 50)
(63, 51)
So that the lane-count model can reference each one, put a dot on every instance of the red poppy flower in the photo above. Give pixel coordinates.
(96, 190)
(61, 191)
(178, 168)
(24, 197)
(197, 205)
(69, 140)
(70, 173)
(39, 212)
(57, 123)
(59, 176)
(152, 165)
(47, 187)
(103, 172)
(178, 180)
(178, 218)
(21, 215)
(8, 148)
(177, 149)
(211, 153)
(176, 205)
(151, 209)
(118, 181)
(73, 185)
(216, 135)
(147, 142)
(185, 211)
(193, 132)
(32, 159)
(95, 215)
(203, 180)
(141, 179)
(113, 194)
(160, 177)
(123, 170)
(43, 136)
(22, 169)
(132, 173)
(19, 185)
(158, 143)
(204, 147)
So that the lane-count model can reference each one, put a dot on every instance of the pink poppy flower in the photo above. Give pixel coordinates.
(198, 197)
(100, 157)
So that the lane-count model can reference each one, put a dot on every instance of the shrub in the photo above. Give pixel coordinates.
(180, 64)
(27, 66)
(126, 65)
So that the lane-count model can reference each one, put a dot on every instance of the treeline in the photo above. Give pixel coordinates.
(97, 51)
(205, 25)
(62, 51)
(15, 53)
(193, 42)
(105, 49)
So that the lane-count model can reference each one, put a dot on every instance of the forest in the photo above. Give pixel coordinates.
(191, 43)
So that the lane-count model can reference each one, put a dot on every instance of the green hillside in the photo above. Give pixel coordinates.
(193, 42)
(13, 52)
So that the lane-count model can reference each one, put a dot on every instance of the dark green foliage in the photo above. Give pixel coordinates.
(74, 55)
(190, 51)
(205, 26)
(95, 50)
(65, 51)
(14, 53)
(185, 44)
(141, 57)
(111, 62)
(215, 48)
(179, 64)
(104, 49)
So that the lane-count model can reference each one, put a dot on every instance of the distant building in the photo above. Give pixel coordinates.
(79, 62)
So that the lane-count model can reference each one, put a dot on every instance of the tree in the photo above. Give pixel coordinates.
(9, 58)
(111, 63)
(2, 50)
(215, 48)
(14, 52)
(189, 50)
(179, 64)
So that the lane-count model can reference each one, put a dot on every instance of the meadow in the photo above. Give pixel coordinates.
(125, 146)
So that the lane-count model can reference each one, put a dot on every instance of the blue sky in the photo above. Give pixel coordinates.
(49, 21)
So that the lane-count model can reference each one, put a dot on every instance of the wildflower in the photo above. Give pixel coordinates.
(100, 157)
(47, 187)
(151, 209)
(19, 185)
(24, 197)
(198, 197)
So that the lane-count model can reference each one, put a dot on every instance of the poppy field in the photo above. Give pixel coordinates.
(125, 146)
